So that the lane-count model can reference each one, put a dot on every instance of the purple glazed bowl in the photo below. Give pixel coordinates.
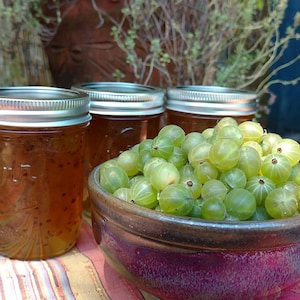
(186, 258)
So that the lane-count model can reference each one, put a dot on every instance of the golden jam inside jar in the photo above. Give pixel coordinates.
(195, 108)
(42, 173)
(190, 122)
(41, 186)
(118, 134)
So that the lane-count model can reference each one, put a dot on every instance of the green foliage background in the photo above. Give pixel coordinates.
(22, 60)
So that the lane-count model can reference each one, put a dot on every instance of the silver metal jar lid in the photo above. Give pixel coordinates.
(41, 106)
(211, 100)
(123, 98)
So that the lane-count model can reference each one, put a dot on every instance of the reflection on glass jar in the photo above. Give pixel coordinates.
(118, 134)
(42, 164)
(123, 114)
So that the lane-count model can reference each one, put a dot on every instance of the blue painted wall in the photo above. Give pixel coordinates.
(285, 112)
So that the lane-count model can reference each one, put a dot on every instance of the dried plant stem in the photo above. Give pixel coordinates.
(211, 42)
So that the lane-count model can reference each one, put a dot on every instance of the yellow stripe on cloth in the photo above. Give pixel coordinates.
(114, 285)
(83, 277)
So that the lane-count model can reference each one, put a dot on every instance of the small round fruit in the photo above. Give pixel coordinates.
(164, 175)
(143, 193)
(199, 153)
(214, 189)
(133, 179)
(230, 132)
(176, 199)
(174, 132)
(240, 204)
(196, 210)
(295, 174)
(145, 145)
(255, 145)
(152, 164)
(225, 121)
(162, 146)
(234, 178)
(143, 157)
(178, 158)
(224, 154)
(260, 187)
(290, 149)
(123, 194)
(128, 160)
(190, 140)
(206, 171)
(268, 141)
(213, 209)
(292, 187)
(186, 170)
(281, 203)
(249, 161)
(260, 214)
(252, 131)
(276, 167)
(208, 133)
(192, 183)
(106, 164)
(113, 178)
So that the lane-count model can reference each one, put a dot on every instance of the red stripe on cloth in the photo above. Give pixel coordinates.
(50, 279)
(115, 285)
(27, 285)
(9, 282)
(41, 279)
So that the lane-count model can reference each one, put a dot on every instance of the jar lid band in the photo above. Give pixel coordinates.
(211, 100)
(123, 98)
(41, 106)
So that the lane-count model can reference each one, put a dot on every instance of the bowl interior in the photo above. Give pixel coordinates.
(188, 232)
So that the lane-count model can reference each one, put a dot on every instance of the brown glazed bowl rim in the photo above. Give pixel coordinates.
(187, 232)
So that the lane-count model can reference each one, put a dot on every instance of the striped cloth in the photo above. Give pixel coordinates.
(81, 274)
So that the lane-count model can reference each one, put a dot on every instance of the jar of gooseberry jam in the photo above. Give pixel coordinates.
(196, 107)
(42, 169)
(123, 114)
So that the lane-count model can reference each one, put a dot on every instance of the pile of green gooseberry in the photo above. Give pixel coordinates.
(233, 171)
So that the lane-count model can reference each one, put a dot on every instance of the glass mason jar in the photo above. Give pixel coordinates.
(42, 168)
(123, 114)
(195, 108)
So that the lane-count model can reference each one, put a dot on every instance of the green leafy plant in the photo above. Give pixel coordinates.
(206, 42)
(22, 58)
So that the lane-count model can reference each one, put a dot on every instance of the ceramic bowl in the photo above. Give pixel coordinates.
(187, 258)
